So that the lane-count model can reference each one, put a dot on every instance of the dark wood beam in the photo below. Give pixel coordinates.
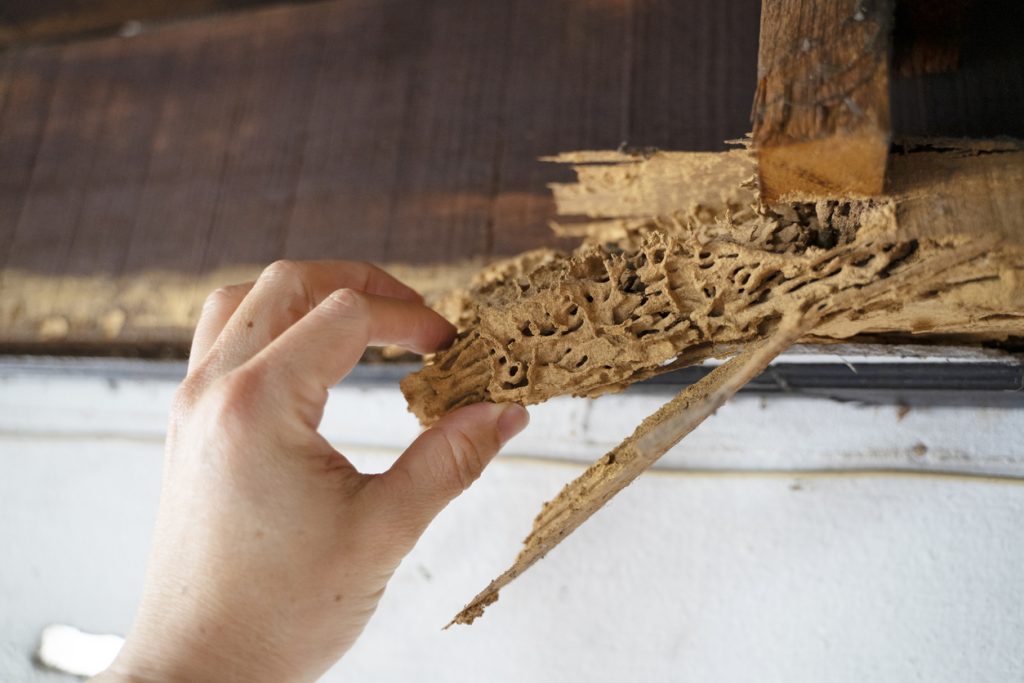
(32, 21)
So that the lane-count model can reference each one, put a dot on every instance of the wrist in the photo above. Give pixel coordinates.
(192, 652)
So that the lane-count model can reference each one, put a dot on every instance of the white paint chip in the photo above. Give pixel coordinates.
(66, 648)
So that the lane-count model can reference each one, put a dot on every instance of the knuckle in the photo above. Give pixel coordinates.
(289, 278)
(345, 299)
(219, 297)
(282, 269)
(241, 384)
(184, 398)
(234, 397)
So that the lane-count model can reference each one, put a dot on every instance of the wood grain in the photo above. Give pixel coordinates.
(32, 21)
(821, 109)
(393, 131)
(138, 172)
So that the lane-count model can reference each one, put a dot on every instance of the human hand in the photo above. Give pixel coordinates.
(271, 551)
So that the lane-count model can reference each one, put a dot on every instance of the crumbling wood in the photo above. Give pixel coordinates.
(659, 432)
(680, 263)
(645, 294)
(821, 108)
(589, 492)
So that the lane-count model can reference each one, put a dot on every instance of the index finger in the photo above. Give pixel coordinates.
(322, 348)
(286, 291)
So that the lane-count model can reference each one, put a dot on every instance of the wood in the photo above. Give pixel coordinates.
(821, 108)
(677, 266)
(702, 276)
(616, 470)
(138, 173)
(30, 21)
(928, 36)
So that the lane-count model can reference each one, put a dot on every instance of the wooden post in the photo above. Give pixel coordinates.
(821, 109)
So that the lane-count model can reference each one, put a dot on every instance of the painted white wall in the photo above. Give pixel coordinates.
(772, 545)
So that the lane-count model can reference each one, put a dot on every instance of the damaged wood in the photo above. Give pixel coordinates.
(585, 495)
(659, 432)
(643, 295)
(671, 273)
(821, 108)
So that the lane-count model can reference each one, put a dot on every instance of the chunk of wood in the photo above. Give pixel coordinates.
(589, 492)
(647, 294)
(710, 272)
(821, 108)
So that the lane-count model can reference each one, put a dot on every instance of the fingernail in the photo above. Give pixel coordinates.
(513, 419)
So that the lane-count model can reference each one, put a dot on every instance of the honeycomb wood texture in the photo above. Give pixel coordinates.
(679, 263)
(708, 272)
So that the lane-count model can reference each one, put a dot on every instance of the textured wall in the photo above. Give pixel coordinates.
(768, 547)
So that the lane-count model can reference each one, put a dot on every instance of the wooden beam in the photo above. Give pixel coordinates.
(138, 173)
(31, 21)
(821, 108)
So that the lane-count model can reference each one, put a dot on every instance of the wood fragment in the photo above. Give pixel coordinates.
(647, 294)
(589, 492)
(659, 432)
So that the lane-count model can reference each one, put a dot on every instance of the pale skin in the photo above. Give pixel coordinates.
(271, 550)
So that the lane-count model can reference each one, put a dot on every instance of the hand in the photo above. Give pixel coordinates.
(271, 551)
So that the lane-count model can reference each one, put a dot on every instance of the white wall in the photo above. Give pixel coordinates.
(773, 545)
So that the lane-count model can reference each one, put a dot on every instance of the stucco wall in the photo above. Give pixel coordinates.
(773, 545)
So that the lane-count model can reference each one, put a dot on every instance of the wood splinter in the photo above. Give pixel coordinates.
(662, 430)
(588, 493)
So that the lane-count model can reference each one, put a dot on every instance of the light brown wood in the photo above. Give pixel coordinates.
(941, 255)
(699, 271)
(821, 109)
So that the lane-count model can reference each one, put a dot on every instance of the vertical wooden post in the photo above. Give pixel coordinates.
(821, 109)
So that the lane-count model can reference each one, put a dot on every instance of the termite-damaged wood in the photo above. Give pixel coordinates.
(659, 432)
(821, 108)
(708, 271)
(680, 263)
(585, 495)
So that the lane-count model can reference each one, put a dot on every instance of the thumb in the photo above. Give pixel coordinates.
(447, 458)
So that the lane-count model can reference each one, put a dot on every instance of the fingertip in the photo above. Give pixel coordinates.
(447, 337)
(438, 335)
(507, 419)
(512, 420)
